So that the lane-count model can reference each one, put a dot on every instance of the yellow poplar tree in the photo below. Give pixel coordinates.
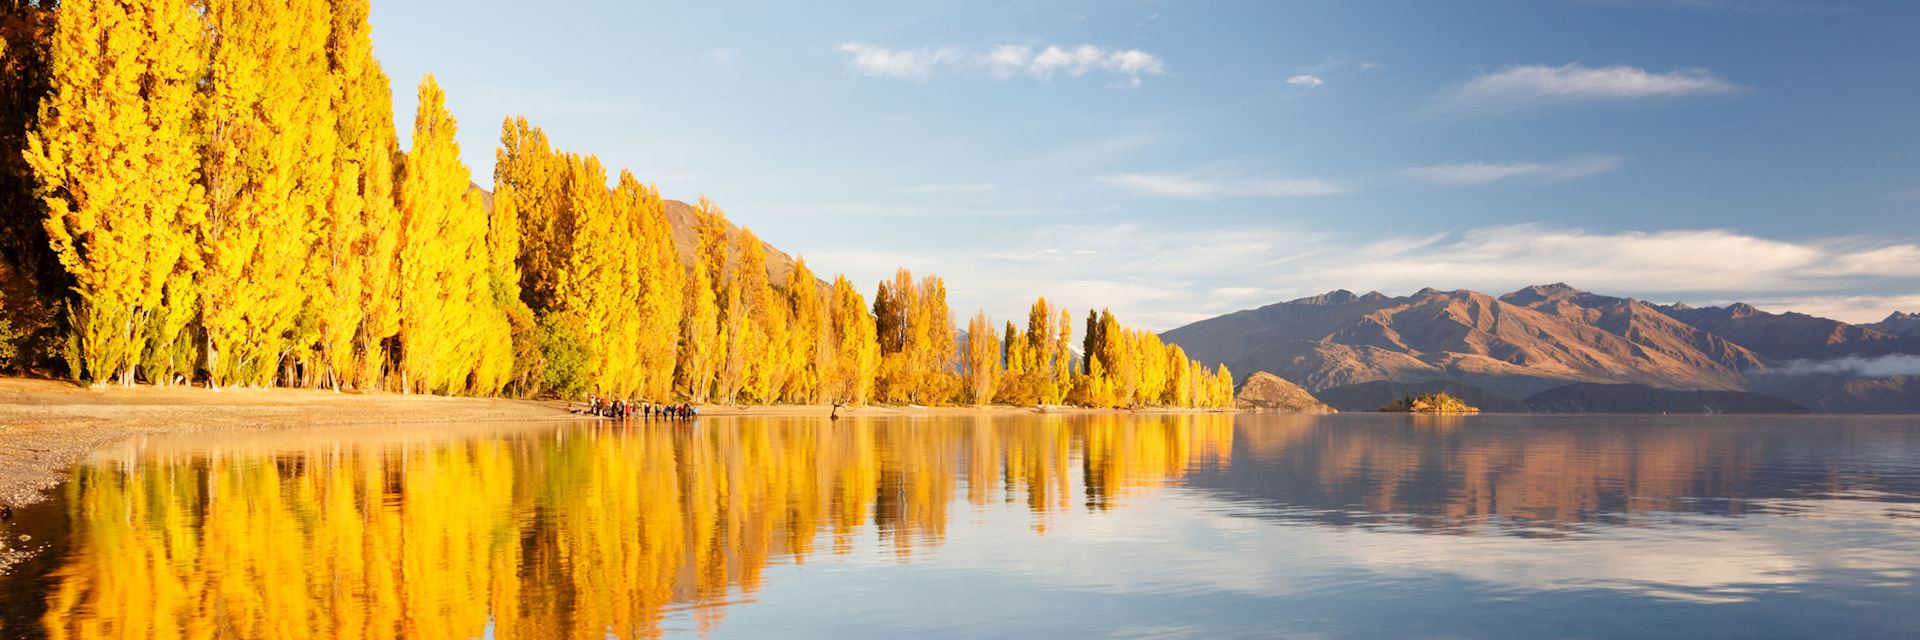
(596, 282)
(1041, 332)
(982, 360)
(360, 312)
(115, 157)
(809, 354)
(662, 297)
(1062, 372)
(503, 253)
(527, 163)
(452, 335)
(699, 337)
(766, 325)
(856, 348)
(265, 100)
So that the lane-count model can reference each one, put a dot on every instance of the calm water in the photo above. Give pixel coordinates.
(1131, 527)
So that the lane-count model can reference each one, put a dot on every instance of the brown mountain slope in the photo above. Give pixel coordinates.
(1786, 336)
(1904, 325)
(1536, 339)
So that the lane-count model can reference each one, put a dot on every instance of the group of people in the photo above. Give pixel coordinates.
(622, 409)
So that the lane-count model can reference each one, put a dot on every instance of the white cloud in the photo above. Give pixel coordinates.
(1305, 80)
(1005, 61)
(1517, 87)
(1858, 309)
(1484, 172)
(914, 64)
(1371, 65)
(1199, 187)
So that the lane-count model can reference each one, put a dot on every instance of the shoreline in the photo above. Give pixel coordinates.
(48, 425)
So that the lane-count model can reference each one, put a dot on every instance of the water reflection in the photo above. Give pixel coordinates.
(1200, 525)
(576, 532)
(1551, 476)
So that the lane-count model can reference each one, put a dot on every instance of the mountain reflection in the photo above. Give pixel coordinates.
(1553, 475)
(579, 531)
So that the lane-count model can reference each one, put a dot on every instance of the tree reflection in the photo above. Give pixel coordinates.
(590, 531)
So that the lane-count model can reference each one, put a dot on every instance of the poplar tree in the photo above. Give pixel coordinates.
(592, 290)
(361, 309)
(264, 104)
(527, 163)
(503, 253)
(982, 360)
(766, 324)
(451, 333)
(662, 296)
(115, 156)
(1041, 333)
(856, 346)
(809, 355)
(699, 337)
(1062, 372)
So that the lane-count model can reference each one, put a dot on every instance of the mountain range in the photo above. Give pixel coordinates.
(1349, 347)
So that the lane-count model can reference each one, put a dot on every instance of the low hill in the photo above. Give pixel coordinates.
(1636, 398)
(1267, 392)
(1370, 396)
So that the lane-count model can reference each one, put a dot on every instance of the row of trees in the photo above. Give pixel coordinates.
(212, 190)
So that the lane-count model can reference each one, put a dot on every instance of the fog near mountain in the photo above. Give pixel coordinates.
(1899, 364)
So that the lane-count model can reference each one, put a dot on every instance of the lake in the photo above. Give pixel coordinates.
(1148, 526)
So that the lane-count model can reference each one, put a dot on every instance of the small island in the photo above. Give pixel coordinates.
(1431, 403)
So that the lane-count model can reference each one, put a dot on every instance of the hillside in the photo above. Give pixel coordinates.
(1904, 325)
(1267, 392)
(1523, 343)
(1357, 350)
(1636, 398)
(1786, 336)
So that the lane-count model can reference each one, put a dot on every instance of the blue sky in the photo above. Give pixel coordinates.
(1177, 160)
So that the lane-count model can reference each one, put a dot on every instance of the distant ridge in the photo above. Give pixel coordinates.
(1904, 325)
(1507, 349)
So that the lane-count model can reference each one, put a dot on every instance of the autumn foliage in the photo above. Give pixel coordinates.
(212, 191)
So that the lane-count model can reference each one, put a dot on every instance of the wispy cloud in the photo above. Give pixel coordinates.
(1534, 85)
(914, 64)
(1472, 173)
(1130, 66)
(1306, 80)
(1203, 187)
